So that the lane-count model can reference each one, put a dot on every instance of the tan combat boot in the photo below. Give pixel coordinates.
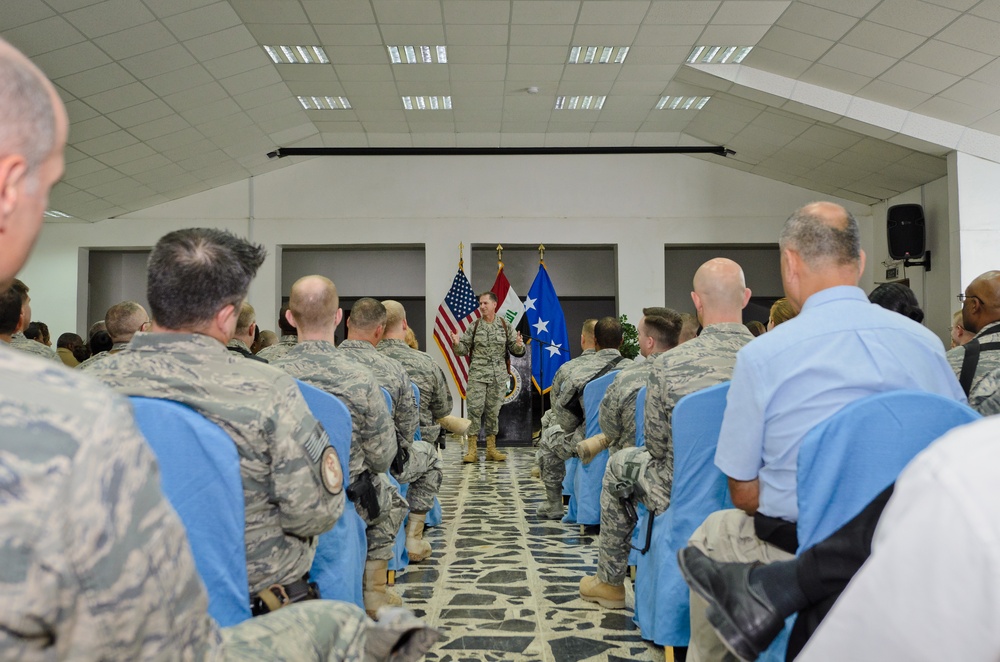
(472, 453)
(593, 589)
(418, 548)
(491, 449)
(376, 595)
(552, 508)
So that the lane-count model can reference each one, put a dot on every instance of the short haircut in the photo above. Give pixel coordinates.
(588, 327)
(899, 299)
(246, 318)
(820, 242)
(755, 327)
(95, 327)
(195, 272)
(395, 314)
(367, 313)
(313, 307)
(101, 342)
(662, 325)
(608, 333)
(782, 311)
(11, 302)
(489, 294)
(27, 118)
(70, 341)
(268, 338)
(691, 327)
(284, 325)
(124, 319)
(33, 332)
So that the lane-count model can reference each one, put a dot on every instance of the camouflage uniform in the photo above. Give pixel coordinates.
(117, 347)
(989, 361)
(273, 352)
(19, 342)
(373, 443)
(487, 372)
(279, 442)
(646, 473)
(101, 567)
(422, 470)
(556, 448)
(435, 396)
(617, 416)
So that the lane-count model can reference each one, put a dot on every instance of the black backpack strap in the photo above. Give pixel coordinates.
(969, 363)
(472, 345)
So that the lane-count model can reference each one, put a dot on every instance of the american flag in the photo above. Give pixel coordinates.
(456, 313)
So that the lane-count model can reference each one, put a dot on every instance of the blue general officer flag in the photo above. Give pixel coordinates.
(550, 342)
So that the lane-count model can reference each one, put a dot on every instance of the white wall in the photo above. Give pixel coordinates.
(640, 203)
(974, 187)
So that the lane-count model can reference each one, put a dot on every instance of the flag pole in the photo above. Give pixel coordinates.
(499, 257)
(461, 267)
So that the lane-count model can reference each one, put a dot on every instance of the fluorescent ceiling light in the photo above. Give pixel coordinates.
(427, 103)
(682, 103)
(52, 213)
(297, 54)
(718, 54)
(580, 102)
(597, 54)
(418, 54)
(324, 103)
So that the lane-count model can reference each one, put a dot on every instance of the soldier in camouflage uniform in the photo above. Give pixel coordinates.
(15, 315)
(645, 474)
(246, 329)
(109, 574)
(123, 321)
(435, 397)
(488, 340)
(981, 316)
(289, 336)
(658, 331)
(282, 448)
(314, 306)
(567, 411)
(417, 462)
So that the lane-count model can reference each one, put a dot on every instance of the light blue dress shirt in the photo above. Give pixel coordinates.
(838, 349)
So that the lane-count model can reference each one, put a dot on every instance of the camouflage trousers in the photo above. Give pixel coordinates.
(327, 630)
(423, 473)
(381, 532)
(634, 474)
(484, 400)
(554, 448)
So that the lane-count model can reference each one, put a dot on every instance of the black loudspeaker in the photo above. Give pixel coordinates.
(906, 232)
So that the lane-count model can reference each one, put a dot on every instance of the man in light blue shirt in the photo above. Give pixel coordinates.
(838, 349)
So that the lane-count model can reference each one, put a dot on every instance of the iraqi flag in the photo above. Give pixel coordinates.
(509, 307)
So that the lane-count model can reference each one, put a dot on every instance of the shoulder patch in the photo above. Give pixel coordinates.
(330, 471)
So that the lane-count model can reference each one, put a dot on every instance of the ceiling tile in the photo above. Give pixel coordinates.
(93, 128)
(541, 35)
(104, 144)
(223, 42)
(976, 33)
(777, 63)
(882, 39)
(96, 80)
(430, 73)
(947, 57)
(110, 16)
(134, 41)
(159, 127)
(458, 12)
(913, 16)
(836, 79)
(299, 34)
(613, 12)
(17, 14)
(196, 96)
(917, 77)
(750, 12)
(857, 60)
(70, 60)
(616, 35)
(816, 21)
(370, 72)
(554, 12)
(164, 8)
(158, 62)
(246, 60)
(120, 97)
(125, 154)
(414, 35)
(250, 81)
(790, 42)
(668, 35)
(270, 11)
(140, 113)
(202, 21)
(988, 10)
(43, 36)
(973, 93)
(741, 35)
(407, 11)
(892, 94)
(951, 111)
(176, 81)
(475, 35)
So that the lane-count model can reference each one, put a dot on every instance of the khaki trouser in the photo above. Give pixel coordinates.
(727, 536)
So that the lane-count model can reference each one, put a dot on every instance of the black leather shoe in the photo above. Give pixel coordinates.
(743, 618)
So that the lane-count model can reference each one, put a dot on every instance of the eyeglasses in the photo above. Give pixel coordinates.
(962, 297)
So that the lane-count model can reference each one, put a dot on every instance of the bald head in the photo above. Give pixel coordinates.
(982, 302)
(395, 319)
(824, 234)
(314, 305)
(124, 319)
(721, 288)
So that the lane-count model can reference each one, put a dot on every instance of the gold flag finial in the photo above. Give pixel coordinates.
(461, 256)
(500, 255)
(541, 252)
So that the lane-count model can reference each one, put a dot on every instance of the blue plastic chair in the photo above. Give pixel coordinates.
(589, 477)
(851, 457)
(434, 515)
(638, 535)
(699, 489)
(339, 566)
(199, 465)
(400, 558)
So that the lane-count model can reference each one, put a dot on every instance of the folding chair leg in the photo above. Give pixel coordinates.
(391, 580)
(631, 572)
(668, 654)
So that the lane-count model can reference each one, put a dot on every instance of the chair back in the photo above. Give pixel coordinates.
(589, 477)
(640, 417)
(200, 472)
(639, 533)
(339, 565)
(400, 557)
(699, 489)
(416, 399)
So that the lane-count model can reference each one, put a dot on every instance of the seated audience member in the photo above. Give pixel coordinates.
(314, 309)
(123, 320)
(840, 348)
(755, 327)
(94, 328)
(411, 339)
(39, 332)
(690, 329)
(267, 339)
(959, 336)
(101, 343)
(899, 299)
(243, 336)
(645, 474)
(567, 413)
(781, 311)
(69, 344)
(197, 281)
(980, 316)
(416, 462)
(21, 300)
(103, 570)
(289, 336)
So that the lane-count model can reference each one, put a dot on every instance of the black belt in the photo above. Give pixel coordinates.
(276, 596)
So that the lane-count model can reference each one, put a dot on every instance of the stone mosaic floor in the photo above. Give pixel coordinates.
(503, 585)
